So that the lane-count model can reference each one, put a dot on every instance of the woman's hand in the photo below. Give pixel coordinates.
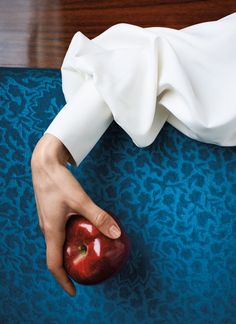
(58, 195)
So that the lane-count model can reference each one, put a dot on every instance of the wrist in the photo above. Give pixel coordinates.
(50, 151)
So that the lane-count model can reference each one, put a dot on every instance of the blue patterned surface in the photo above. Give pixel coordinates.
(176, 198)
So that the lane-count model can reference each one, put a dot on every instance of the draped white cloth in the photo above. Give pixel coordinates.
(144, 77)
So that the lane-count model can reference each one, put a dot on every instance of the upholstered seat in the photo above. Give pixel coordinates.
(176, 199)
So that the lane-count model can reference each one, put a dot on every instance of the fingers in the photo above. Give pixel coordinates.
(99, 217)
(104, 222)
(54, 241)
(81, 203)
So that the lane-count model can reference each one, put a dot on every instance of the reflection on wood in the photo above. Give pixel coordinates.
(36, 33)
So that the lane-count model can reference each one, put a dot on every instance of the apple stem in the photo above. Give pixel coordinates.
(83, 248)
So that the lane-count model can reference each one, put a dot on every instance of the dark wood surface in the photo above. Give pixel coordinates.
(36, 33)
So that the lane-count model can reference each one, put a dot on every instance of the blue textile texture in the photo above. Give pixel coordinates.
(176, 199)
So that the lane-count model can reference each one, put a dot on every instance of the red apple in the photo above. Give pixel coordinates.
(90, 257)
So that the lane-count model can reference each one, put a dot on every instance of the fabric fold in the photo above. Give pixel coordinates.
(149, 76)
(192, 71)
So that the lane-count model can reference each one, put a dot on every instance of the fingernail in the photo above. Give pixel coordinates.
(72, 294)
(115, 232)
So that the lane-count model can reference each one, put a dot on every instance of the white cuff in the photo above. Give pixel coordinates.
(82, 121)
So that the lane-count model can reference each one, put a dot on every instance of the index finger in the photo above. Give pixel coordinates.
(54, 241)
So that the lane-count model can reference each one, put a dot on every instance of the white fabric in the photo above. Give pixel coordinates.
(143, 77)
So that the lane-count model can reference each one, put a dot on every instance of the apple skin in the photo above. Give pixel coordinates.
(89, 256)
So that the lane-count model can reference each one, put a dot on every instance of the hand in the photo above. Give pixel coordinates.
(58, 195)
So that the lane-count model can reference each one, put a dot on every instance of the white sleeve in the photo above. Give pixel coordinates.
(143, 77)
(81, 122)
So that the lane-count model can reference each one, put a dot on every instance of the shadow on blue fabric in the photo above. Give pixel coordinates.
(176, 199)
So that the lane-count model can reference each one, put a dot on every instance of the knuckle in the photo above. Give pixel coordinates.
(41, 228)
(48, 228)
(83, 199)
(51, 267)
(80, 201)
(101, 219)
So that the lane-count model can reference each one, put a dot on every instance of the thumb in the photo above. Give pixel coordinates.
(100, 218)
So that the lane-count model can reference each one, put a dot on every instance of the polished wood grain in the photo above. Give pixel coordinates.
(36, 33)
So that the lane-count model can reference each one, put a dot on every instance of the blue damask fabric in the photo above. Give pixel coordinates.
(176, 198)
